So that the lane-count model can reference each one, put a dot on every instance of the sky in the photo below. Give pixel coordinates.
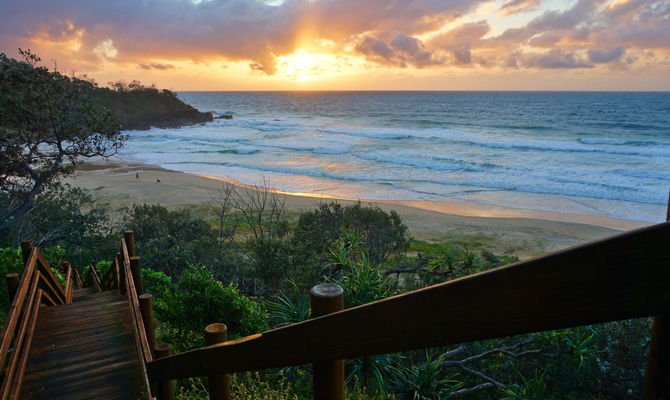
(349, 44)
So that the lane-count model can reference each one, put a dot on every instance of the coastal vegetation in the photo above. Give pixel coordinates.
(252, 268)
(50, 122)
(249, 265)
(136, 106)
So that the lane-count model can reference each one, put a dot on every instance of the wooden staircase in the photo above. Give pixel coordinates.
(84, 350)
(85, 343)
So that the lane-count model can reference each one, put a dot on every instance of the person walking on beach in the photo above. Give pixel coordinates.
(137, 176)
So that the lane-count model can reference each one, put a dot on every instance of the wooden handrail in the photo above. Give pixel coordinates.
(95, 278)
(16, 307)
(68, 285)
(38, 282)
(625, 276)
(143, 349)
(77, 276)
(50, 279)
(109, 280)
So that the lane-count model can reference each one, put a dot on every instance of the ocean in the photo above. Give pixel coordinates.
(586, 153)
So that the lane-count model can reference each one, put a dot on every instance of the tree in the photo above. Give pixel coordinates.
(48, 124)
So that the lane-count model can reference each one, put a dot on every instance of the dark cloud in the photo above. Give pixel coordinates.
(516, 6)
(157, 66)
(605, 55)
(554, 59)
(402, 51)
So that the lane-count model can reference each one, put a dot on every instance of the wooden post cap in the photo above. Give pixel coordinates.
(162, 350)
(327, 290)
(216, 333)
(327, 376)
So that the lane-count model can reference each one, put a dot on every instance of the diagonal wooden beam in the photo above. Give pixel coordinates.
(625, 276)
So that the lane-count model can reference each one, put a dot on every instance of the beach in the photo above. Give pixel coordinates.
(524, 233)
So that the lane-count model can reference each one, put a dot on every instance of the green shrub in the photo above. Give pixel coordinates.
(197, 300)
(168, 240)
(383, 233)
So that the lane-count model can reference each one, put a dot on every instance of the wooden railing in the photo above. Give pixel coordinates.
(129, 274)
(124, 274)
(625, 276)
(37, 284)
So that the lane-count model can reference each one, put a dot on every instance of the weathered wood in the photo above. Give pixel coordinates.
(327, 376)
(16, 307)
(137, 274)
(219, 384)
(19, 342)
(51, 300)
(26, 248)
(129, 237)
(23, 361)
(84, 350)
(77, 276)
(657, 376)
(68, 284)
(147, 311)
(625, 276)
(95, 279)
(165, 388)
(122, 274)
(12, 285)
(49, 279)
(143, 349)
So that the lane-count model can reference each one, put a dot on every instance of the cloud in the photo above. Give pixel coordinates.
(606, 55)
(554, 59)
(157, 66)
(398, 33)
(402, 51)
(238, 30)
(517, 6)
(106, 49)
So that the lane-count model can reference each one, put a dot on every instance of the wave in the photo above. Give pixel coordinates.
(629, 194)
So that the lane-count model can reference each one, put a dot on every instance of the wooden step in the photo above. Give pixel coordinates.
(84, 350)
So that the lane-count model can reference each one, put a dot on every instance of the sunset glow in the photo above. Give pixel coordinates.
(347, 44)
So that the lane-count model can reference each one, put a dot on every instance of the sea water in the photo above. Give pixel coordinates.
(602, 154)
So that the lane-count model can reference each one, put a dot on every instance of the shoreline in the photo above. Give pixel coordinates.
(530, 232)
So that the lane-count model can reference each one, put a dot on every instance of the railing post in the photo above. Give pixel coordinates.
(130, 242)
(122, 273)
(657, 376)
(219, 384)
(165, 388)
(137, 274)
(147, 310)
(26, 248)
(12, 285)
(327, 376)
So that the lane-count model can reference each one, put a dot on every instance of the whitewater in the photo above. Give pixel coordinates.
(602, 154)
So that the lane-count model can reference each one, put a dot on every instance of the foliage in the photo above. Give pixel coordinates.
(289, 309)
(383, 233)
(169, 240)
(136, 106)
(362, 283)
(423, 381)
(48, 123)
(197, 300)
(67, 217)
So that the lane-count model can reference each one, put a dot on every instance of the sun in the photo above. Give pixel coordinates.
(303, 67)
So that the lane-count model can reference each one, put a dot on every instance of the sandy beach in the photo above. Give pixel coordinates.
(523, 233)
